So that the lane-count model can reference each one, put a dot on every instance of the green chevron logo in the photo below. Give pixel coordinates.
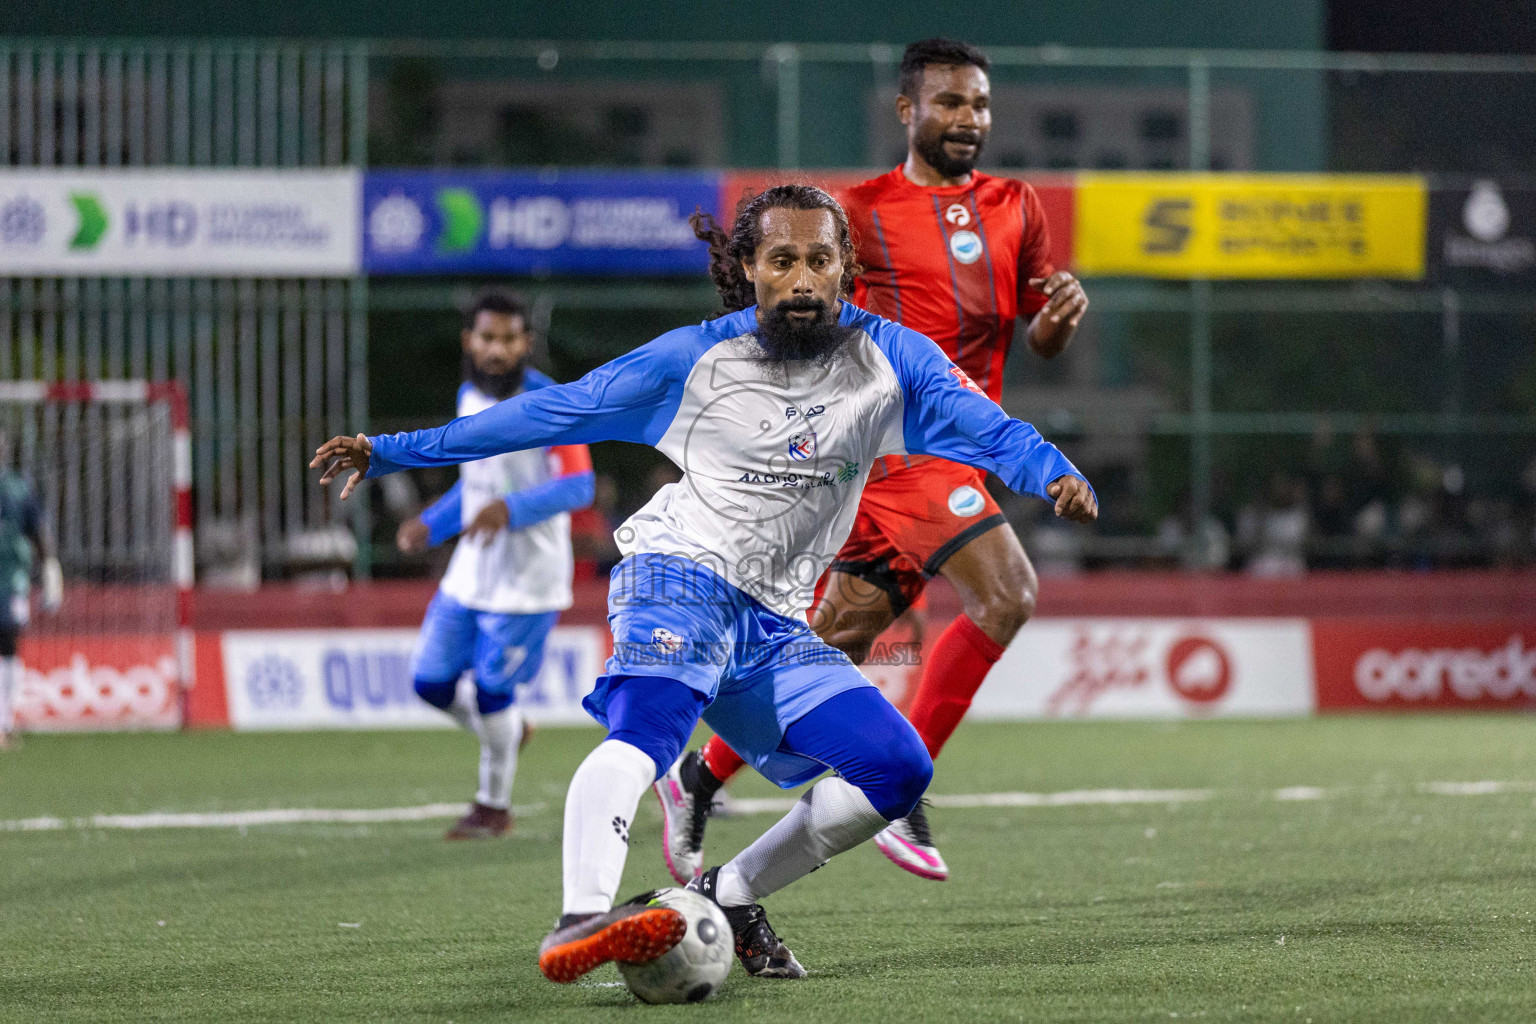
(463, 220)
(93, 220)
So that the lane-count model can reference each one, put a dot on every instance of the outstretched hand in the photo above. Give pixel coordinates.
(1074, 499)
(339, 454)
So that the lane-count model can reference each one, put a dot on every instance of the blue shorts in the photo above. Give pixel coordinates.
(758, 671)
(502, 651)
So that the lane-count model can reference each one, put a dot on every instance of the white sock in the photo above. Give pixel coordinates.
(10, 670)
(599, 809)
(833, 816)
(463, 710)
(500, 732)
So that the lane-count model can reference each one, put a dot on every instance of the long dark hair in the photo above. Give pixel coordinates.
(726, 254)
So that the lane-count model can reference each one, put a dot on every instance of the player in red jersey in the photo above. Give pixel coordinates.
(959, 256)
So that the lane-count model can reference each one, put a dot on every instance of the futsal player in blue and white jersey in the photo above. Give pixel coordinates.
(775, 413)
(510, 576)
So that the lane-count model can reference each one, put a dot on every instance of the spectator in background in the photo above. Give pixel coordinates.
(1272, 532)
(1197, 544)
(1056, 549)
(1526, 513)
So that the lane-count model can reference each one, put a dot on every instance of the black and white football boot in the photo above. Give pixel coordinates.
(761, 952)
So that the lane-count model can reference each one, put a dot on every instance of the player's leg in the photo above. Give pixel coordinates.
(882, 769)
(850, 613)
(445, 650)
(10, 681)
(940, 518)
(671, 619)
(997, 587)
(649, 719)
(509, 650)
(855, 602)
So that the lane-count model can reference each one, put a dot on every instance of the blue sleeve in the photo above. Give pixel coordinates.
(633, 398)
(944, 416)
(536, 504)
(445, 516)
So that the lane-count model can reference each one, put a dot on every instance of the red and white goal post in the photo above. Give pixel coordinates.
(111, 463)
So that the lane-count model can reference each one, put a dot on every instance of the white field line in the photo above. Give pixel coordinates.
(742, 806)
(246, 819)
(1484, 788)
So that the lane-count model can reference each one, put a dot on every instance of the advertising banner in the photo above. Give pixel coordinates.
(179, 222)
(523, 222)
(361, 679)
(1482, 235)
(1391, 665)
(112, 681)
(1250, 225)
(1152, 668)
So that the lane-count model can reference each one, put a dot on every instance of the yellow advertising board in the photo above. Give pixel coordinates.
(1250, 225)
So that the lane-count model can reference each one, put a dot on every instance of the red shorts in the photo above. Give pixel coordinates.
(911, 520)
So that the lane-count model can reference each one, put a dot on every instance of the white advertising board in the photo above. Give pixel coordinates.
(201, 222)
(1152, 668)
(361, 678)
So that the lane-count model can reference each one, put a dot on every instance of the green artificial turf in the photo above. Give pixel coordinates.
(1380, 901)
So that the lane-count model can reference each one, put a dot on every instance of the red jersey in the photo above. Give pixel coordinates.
(952, 263)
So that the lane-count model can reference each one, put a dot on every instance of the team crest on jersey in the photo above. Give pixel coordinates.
(802, 446)
(666, 641)
(965, 246)
(965, 381)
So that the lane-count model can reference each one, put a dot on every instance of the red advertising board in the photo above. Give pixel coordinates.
(1055, 196)
(105, 681)
(1375, 664)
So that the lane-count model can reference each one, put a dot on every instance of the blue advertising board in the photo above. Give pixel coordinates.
(533, 222)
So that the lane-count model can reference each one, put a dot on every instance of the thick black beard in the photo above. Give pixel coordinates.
(932, 150)
(785, 340)
(499, 386)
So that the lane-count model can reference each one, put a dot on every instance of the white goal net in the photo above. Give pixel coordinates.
(109, 463)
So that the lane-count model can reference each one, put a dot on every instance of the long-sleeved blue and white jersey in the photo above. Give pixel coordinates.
(774, 455)
(526, 568)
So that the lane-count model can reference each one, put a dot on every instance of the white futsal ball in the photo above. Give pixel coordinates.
(694, 969)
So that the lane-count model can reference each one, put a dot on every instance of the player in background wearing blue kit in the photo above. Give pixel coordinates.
(510, 576)
(24, 544)
(775, 413)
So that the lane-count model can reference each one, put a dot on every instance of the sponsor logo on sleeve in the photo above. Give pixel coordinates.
(966, 381)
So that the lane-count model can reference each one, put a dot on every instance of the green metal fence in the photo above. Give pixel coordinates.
(1235, 376)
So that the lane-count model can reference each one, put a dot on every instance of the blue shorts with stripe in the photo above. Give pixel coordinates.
(502, 650)
(758, 671)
